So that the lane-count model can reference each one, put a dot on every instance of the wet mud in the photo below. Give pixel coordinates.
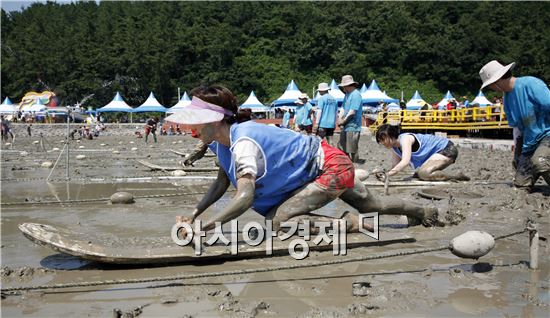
(429, 284)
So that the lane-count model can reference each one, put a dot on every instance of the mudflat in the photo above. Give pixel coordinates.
(423, 284)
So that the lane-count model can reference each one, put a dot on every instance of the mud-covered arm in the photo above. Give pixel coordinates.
(241, 202)
(214, 193)
(198, 152)
(406, 152)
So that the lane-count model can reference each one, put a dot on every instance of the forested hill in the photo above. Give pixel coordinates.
(136, 47)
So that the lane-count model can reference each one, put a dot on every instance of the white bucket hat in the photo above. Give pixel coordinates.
(303, 96)
(199, 112)
(347, 80)
(323, 87)
(493, 71)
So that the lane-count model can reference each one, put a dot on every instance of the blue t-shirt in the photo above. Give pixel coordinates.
(329, 110)
(353, 101)
(527, 107)
(286, 120)
(303, 114)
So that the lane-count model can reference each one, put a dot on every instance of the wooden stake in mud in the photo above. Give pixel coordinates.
(533, 245)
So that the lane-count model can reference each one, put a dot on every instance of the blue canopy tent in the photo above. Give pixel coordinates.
(117, 105)
(481, 100)
(290, 95)
(416, 102)
(373, 95)
(150, 105)
(254, 104)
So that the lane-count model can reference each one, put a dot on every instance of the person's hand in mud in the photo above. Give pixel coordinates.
(379, 174)
(180, 219)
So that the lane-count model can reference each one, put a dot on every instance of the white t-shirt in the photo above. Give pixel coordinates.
(248, 158)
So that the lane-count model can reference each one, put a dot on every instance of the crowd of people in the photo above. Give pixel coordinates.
(286, 175)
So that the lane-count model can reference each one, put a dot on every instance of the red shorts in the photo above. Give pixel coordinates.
(338, 170)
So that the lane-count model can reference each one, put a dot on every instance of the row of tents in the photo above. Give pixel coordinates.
(371, 95)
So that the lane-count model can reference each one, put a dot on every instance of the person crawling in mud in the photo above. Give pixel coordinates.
(278, 173)
(428, 153)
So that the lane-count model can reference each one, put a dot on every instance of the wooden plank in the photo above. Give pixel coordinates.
(109, 248)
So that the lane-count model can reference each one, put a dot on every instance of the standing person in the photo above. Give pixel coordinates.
(304, 114)
(327, 115)
(428, 153)
(286, 119)
(278, 173)
(151, 128)
(352, 117)
(527, 108)
(6, 129)
(29, 129)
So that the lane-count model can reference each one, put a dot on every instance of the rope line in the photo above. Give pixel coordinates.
(93, 179)
(243, 271)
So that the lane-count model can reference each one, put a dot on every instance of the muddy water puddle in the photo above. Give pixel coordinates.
(32, 191)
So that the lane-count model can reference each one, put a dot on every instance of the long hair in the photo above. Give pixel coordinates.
(223, 97)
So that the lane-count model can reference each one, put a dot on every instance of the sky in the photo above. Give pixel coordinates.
(16, 5)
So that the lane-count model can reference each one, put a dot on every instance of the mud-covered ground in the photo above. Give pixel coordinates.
(438, 284)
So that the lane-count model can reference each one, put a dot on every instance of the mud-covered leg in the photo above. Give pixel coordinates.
(303, 201)
(541, 160)
(525, 177)
(352, 221)
(431, 170)
(364, 201)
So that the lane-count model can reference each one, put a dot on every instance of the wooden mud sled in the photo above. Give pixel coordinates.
(109, 248)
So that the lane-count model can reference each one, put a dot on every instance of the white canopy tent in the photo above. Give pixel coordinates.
(416, 102)
(7, 107)
(183, 102)
(373, 95)
(116, 105)
(254, 104)
(150, 105)
(445, 99)
(481, 100)
(363, 89)
(289, 96)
